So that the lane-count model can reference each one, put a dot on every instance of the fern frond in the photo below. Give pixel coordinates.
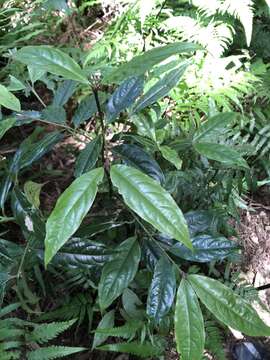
(215, 36)
(242, 10)
(146, 350)
(52, 352)
(126, 331)
(45, 332)
(214, 340)
(11, 355)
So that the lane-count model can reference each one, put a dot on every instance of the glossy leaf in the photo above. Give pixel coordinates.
(28, 218)
(106, 322)
(222, 153)
(15, 84)
(161, 88)
(87, 108)
(142, 63)
(151, 202)
(228, 307)
(10, 177)
(88, 156)
(162, 290)
(132, 305)
(82, 253)
(171, 155)
(37, 150)
(70, 209)
(118, 273)
(5, 125)
(135, 156)
(124, 96)
(64, 92)
(213, 127)
(202, 222)
(206, 248)
(52, 60)
(189, 325)
(8, 100)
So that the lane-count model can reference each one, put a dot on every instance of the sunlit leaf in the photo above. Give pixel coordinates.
(151, 202)
(189, 325)
(8, 100)
(70, 209)
(228, 307)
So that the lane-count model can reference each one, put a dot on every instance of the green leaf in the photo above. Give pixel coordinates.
(132, 305)
(15, 84)
(162, 290)
(222, 153)
(5, 125)
(118, 273)
(70, 209)
(151, 202)
(161, 88)
(81, 253)
(171, 155)
(52, 60)
(8, 100)
(54, 114)
(106, 322)
(135, 156)
(124, 96)
(228, 307)
(142, 63)
(189, 325)
(145, 350)
(88, 156)
(64, 92)
(34, 151)
(53, 352)
(85, 110)
(213, 127)
(32, 192)
(35, 73)
(206, 248)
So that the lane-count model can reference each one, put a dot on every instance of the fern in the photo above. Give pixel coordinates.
(126, 331)
(214, 340)
(52, 352)
(215, 36)
(46, 332)
(145, 350)
(242, 10)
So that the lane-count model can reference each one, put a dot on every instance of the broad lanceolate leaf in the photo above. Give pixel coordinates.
(142, 63)
(54, 114)
(118, 273)
(85, 110)
(64, 92)
(206, 248)
(189, 325)
(32, 192)
(137, 157)
(151, 202)
(213, 127)
(52, 60)
(8, 100)
(161, 88)
(5, 125)
(88, 156)
(222, 153)
(228, 307)
(106, 322)
(70, 209)
(82, 253)
(162, 290)
(124, 96)
(37, 150)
